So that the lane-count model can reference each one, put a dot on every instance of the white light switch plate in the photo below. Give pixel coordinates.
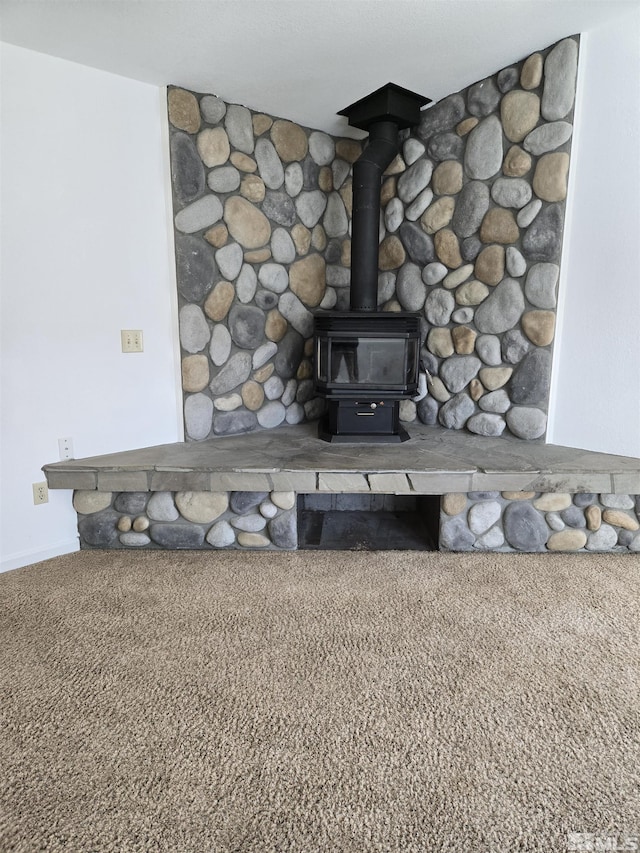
(131, 340)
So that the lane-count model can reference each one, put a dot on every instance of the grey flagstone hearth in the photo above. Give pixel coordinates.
(434, 461)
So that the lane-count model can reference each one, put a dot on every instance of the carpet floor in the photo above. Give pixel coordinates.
(319, 702)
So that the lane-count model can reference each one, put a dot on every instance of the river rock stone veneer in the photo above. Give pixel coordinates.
(470, 236)
(187, 520)
(485, 521)
(530, 521)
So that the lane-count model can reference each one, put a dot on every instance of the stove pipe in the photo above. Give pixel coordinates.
(383, 114)
(367, 177)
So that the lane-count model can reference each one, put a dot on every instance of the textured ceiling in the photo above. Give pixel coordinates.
(300, 59)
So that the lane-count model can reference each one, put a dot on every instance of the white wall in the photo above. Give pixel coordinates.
(595, 401)
(85, 252)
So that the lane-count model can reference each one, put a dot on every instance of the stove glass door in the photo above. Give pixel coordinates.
(383, 363)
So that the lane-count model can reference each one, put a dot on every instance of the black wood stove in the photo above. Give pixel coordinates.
(365, 364)
(366, 361)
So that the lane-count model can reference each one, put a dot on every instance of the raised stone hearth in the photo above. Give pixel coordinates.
(240, 491)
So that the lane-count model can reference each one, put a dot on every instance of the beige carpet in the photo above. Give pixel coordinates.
(318, 701)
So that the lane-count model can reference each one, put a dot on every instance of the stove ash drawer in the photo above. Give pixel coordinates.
(361, 418)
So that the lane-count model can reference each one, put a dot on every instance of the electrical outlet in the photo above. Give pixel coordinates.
(65, 447)
(40, 493)
(131, 340)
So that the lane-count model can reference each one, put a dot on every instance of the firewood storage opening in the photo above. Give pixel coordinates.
(359, 522)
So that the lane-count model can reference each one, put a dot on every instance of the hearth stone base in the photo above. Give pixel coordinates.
(538, 522)
(490, 493)
(472, 521)
(187, 520)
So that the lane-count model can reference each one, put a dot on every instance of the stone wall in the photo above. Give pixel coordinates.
(530, 521)
(471, 234)
(488, 521)
(179, 520)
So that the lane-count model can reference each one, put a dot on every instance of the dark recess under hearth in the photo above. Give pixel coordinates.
(367, 361)
(366, 522)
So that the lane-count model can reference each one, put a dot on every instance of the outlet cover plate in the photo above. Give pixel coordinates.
(40, 493)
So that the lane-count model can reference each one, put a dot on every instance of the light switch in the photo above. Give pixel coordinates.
(131, 340)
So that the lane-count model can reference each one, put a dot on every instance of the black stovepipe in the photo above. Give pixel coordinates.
(367, 177)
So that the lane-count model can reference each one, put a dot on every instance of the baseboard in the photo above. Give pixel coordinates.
(25, 558)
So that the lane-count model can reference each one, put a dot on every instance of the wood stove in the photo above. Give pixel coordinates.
(366, 362)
